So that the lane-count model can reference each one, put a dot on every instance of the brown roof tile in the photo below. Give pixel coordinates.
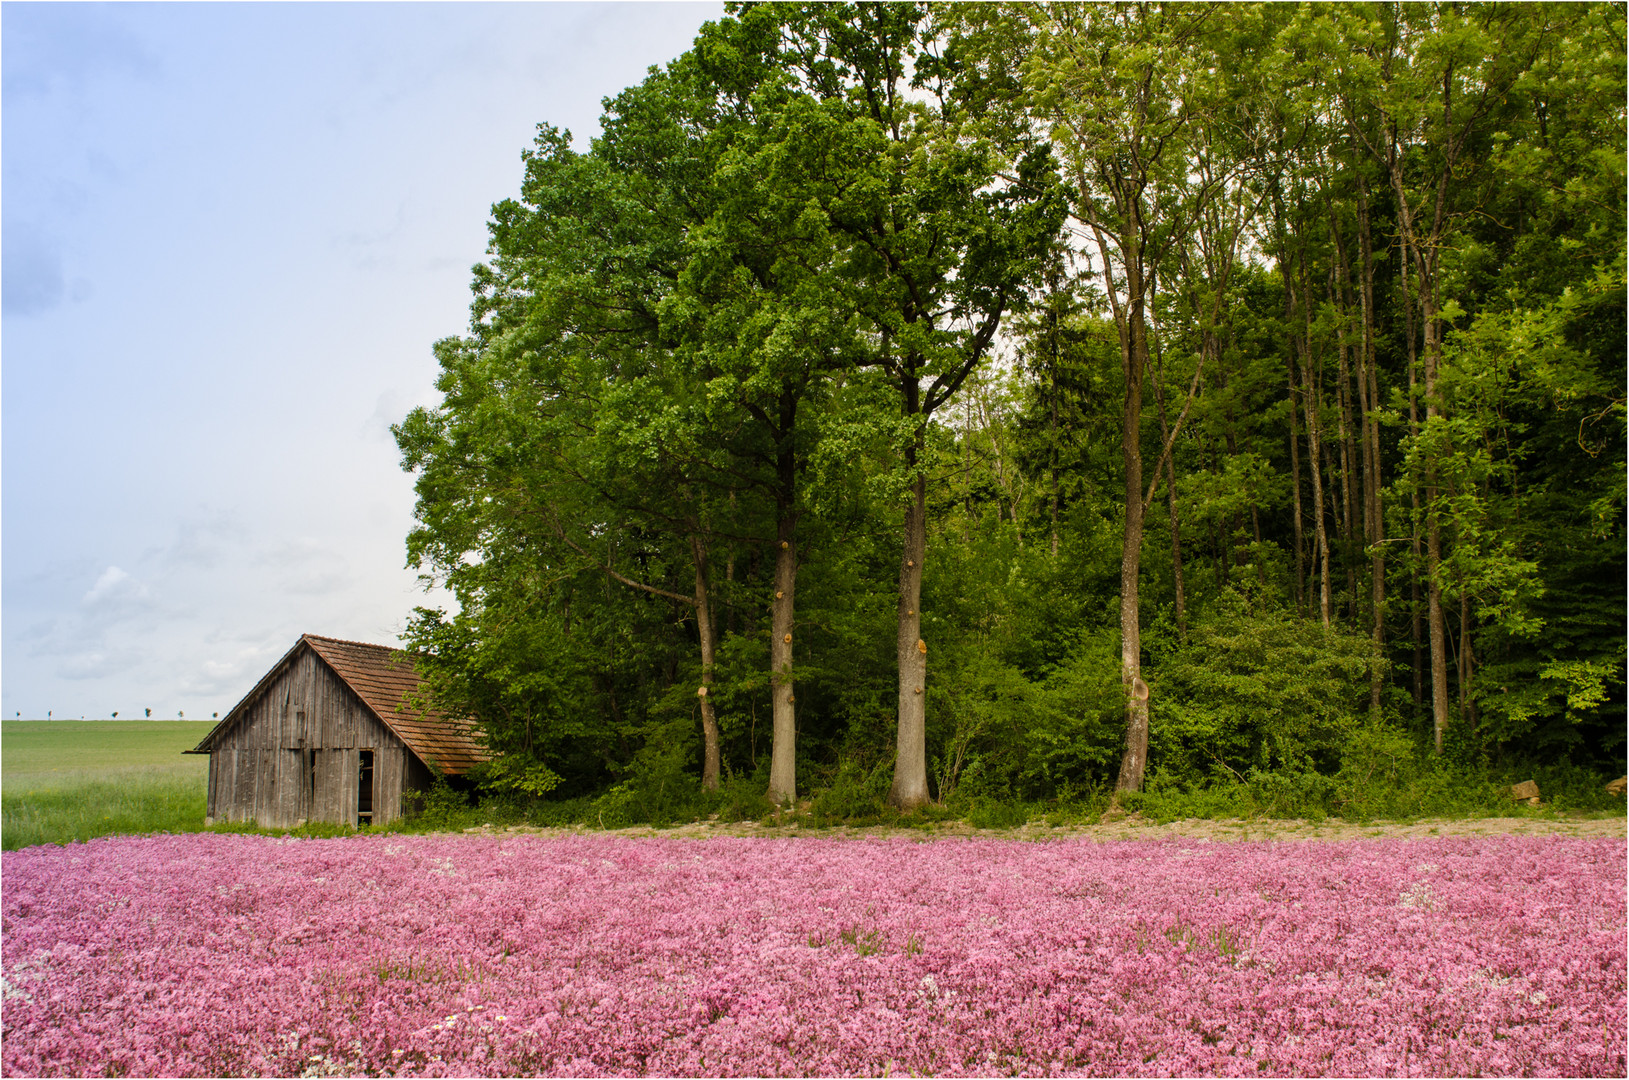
(384, 678)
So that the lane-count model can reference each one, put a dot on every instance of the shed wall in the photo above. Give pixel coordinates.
(294, 754)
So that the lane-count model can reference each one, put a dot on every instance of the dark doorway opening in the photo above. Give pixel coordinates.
(364, 788)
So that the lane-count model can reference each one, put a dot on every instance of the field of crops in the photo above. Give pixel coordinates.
(585, 955)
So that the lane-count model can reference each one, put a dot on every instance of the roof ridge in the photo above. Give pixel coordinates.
(349, 641)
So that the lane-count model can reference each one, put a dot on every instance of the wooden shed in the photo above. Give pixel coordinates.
(330, 734)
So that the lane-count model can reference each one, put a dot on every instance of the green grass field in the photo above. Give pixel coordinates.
(65, 780)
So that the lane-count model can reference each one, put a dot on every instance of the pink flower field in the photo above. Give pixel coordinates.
(595, 955)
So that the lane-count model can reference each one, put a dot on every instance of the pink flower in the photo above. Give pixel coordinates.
(591, 955)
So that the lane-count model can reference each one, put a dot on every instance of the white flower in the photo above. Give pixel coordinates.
(1418, 895)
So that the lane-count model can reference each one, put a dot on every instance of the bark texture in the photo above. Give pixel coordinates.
(1135, 757)
(910, 787)
(783, 756)
(704, 629)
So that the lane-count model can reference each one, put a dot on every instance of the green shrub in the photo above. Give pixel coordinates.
(741, 798)
(997, 733)
(990, 814)
(1258, 690)
(1078, 807)
(560, 813)
(1077, 724)
(975, 708)
(443, 804)
(858, 793)
(1164, 799)
(1565, 786)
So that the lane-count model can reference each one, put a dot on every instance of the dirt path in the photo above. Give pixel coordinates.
(1134, 828)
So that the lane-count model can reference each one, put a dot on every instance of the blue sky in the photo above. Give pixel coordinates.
(231, 234)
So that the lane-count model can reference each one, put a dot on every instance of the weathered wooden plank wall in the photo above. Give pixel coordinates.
(262, 770)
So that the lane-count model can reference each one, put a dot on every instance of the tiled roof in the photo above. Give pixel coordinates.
(385, 680)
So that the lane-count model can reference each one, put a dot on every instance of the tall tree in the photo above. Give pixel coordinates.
(1123, 88)
(1435, 75)
(939, 221)
(531, 448)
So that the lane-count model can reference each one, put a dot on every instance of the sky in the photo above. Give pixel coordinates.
(232, 233)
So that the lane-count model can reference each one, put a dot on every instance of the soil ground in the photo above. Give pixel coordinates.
(1135, 828)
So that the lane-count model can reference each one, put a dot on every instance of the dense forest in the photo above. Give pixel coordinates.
(986, 405)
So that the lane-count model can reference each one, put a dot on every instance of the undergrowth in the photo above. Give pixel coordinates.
(80, 808)
(856, 799)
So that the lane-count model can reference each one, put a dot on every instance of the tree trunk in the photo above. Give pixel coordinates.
(1433, 522)
(1369, 406)
(1057, 484)
(1212, 350)
(1134, 357)
(1350, 530)
(704, 629)
(1434, 614)
(1414, 491)
(1340, 294)
(1467, 661)
(1425, 260)
(1054, 375)
(1291, 319)
(1309, 402)
(910, 787)
(1295, 491)
(783, 756)
(1171, 503)
(1435, 627)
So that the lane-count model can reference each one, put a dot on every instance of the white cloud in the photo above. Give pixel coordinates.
(117, 594)
(391, 407)
(111, 580)
(52, 47)
(304, 566)
(200, 541)
(222, 675)
(98, 663)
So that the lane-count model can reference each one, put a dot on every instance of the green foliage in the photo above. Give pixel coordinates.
(443, 805)
(740, 799)
(659, 786)
(1567, 787)
(766, 297)
(1223, 941)
(1257, 691)
(1079, 720)
(984, 813)
(513, 773)
(858, 793)
(978, 703)
(1165, 798)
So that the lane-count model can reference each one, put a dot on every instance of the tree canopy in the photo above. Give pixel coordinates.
(1220, 394)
